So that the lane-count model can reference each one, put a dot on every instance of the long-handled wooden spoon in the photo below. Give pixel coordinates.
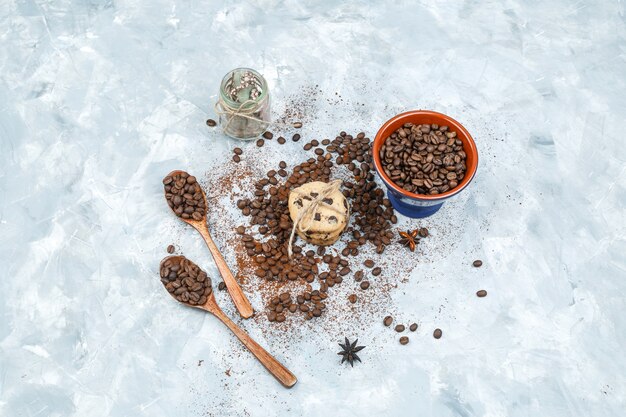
(241, 301)
(277, 369)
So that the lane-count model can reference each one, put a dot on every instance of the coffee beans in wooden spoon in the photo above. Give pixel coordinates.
(424, 159)
(184, 196)
(185, 281)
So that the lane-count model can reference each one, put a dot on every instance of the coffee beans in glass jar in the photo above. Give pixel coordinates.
(184, 196)
(185, 281)
(424, 159)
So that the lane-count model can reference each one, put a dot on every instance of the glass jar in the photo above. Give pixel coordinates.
(244, 104)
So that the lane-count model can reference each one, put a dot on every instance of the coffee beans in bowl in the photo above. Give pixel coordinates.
(185, 281)
(184, 196)
(424, 158)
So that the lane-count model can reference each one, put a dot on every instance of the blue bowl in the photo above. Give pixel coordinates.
(421, 205)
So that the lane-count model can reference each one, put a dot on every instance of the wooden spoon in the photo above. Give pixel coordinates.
(241, 301)
(277, 369)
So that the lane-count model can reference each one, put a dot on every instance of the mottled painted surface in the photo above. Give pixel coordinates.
(100, 98)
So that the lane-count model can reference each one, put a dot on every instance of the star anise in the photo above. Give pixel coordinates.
(349, 352)
(409, 239)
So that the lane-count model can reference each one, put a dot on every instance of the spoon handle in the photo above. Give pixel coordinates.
(277, 369)
(239, 298)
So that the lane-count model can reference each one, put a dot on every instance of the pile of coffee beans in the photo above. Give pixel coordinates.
(309, 303)
(184, 196)
(185, 281)
(268, 210)
(424, 159)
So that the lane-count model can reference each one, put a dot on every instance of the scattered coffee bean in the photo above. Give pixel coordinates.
(387, 321)
(399, 328)
(185, 281)
(184, 196)
(481, 293)
(238, 151)
(268, 135)
(297, 125)
(477, 263)
(211, 122)
(404, 340)
(413, 327)
(352, 298)
(423, 232)
(171, 249)
(221, 286)
(281, 140)
(424, 159)
(236, 158)
(295, 137)
(260, 143)
(376, 271)
(368, 263)
(437, 333)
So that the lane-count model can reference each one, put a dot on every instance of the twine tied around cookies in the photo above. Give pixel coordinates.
(305, 216)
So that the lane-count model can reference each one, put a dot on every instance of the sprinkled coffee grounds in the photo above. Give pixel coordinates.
(268, 211)
(171, 249)
(481, 293)
(184, 196)
(477, 263)
(399, 328)
(424, 159)
(437, 333)
(413, 327)
(404, 340)
(185, 281)
(211, 123)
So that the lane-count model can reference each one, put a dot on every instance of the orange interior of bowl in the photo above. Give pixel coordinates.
(422, 117)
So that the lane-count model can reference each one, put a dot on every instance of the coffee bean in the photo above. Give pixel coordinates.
(404, 340)
(171, 249)
(268, 135)
(297, 125)
(423, 232)
(387, 321)
(236, 158)
(352, 298)
(477, 263)
(211, 122)
(308, 147)
(295, 137)
(260, 143)
(365, 285)
(282, 164)
(413, 327)
(437, 333)
(368, 263)
(399, 328)
(481, 293)
(281, 140)
(221, 286)
(376, 271)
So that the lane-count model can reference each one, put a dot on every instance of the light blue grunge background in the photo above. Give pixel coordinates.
(100, 98)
